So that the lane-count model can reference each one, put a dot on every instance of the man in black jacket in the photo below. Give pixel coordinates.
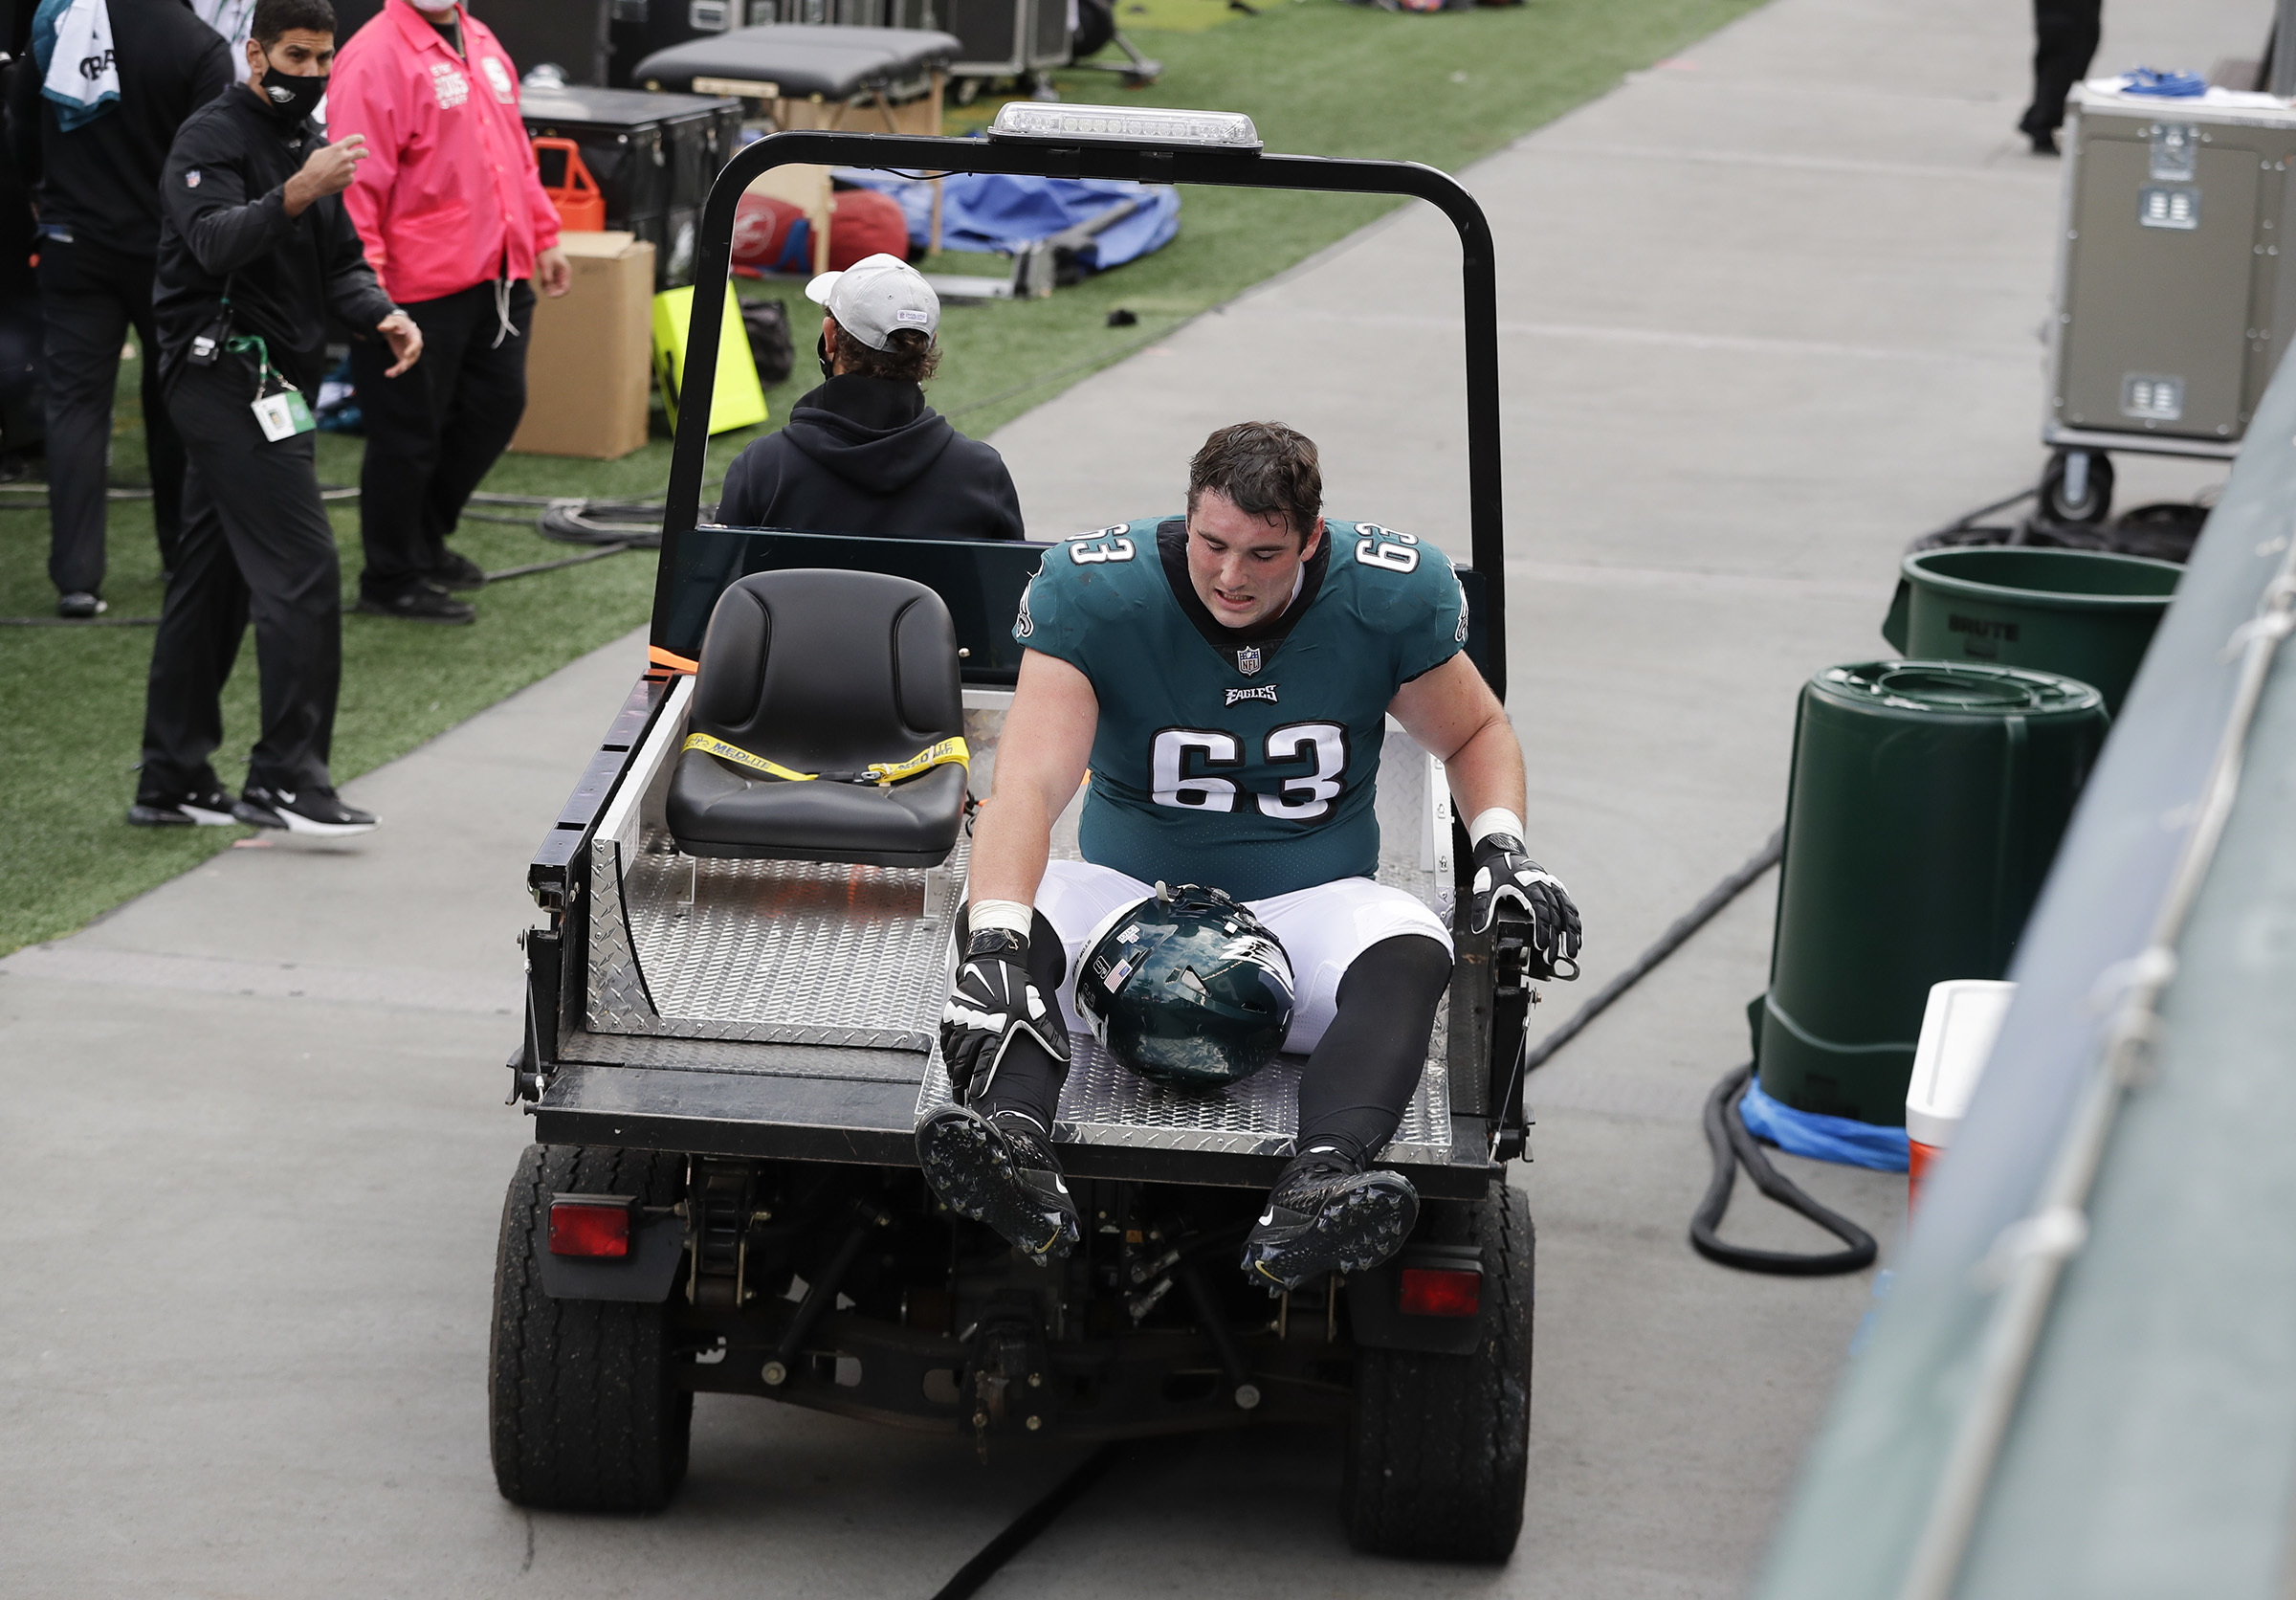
(97, 188)
(255, 251)
(863, 454)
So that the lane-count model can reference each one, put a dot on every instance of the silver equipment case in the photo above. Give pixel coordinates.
(2175, 297)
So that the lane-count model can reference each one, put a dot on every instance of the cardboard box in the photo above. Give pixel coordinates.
(590, 369)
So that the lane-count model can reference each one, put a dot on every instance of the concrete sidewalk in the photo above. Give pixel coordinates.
(1770, 310)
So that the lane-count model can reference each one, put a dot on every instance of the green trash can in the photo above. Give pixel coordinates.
(2086, 614)
(1925, 801)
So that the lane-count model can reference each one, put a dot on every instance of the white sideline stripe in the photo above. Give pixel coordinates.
(1688, 580)
(410, 990)
(1672, 339)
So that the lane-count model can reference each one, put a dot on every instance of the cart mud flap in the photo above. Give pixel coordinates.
(657, 1248)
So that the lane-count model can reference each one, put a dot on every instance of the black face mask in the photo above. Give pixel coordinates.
(291, 100)
(821, 348)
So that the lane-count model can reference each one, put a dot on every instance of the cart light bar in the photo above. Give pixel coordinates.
(1040, 123)
(591, 1225)
(1441, 1292)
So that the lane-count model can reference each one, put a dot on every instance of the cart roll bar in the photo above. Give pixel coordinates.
(1178, 164)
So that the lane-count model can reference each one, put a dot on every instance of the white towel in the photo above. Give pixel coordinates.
(84, 74)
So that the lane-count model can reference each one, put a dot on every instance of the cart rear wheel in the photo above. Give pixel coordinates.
(1438, 1453)
(585, 1412)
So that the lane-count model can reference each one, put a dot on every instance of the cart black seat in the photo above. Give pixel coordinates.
(821, 672)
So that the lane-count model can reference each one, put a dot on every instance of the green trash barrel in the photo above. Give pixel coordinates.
(1925, 801)
(2086, 614)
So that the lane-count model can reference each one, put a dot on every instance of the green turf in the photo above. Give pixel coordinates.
(1318, 76)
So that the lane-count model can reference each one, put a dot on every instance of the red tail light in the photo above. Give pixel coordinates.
(1441, 1292)
(592, 1226)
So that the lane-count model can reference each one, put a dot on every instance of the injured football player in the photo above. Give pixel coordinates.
(1225, 676)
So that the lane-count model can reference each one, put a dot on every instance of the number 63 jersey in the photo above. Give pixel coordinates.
(1241, 759)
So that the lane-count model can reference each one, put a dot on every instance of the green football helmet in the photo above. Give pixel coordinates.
(1187, 988)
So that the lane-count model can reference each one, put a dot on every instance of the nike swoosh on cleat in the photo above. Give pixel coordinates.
(1269, 1219)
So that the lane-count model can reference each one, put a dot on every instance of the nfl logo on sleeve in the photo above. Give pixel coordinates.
(1247, 659)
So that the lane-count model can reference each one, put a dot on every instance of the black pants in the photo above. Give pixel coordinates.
(434, 430)
(2064, 41)
(89, 297)
(256, 544)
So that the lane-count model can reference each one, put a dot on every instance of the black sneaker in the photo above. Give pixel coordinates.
(1000, 1172)
(207, 809)
(79, 605)
(302, 810)
(1326, 1215)
(456, 571)
(423, 602)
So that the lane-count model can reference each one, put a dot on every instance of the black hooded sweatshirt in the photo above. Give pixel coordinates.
(866, 455)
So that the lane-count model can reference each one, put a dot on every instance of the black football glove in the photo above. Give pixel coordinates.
(992, 1004)
(1504, 874)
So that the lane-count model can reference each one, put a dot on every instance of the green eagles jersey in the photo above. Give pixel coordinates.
(1243, 760)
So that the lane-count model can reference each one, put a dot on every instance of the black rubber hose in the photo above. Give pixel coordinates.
(1735, 1146)
(1669, 942)
(532, 567)
(1025, 1527)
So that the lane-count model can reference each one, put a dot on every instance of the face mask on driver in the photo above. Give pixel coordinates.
(291, 99)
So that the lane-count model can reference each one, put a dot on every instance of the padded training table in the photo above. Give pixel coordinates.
(816, 78)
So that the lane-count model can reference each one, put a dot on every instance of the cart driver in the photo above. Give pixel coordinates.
(1225, 676)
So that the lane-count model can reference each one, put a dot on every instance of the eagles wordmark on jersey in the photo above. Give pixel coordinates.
(1241, 759)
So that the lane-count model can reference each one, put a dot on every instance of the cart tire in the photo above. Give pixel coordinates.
(1438, 1451)
(2092, 507)
(585, 1409)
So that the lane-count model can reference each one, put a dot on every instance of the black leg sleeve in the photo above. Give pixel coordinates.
(1363, 1072)
(1029, 1079)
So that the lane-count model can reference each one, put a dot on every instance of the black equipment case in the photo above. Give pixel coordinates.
(1005, 38)
(655, 156)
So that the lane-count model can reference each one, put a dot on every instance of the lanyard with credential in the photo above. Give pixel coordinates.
(283, 414)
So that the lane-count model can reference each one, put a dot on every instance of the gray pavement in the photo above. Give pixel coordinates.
(1770, 309)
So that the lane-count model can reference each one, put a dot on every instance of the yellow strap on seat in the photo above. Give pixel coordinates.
(948, 750)
(883, 774)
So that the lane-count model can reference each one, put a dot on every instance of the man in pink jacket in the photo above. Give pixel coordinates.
(453, 217)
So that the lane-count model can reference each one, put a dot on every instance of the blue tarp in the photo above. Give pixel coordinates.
(1836, 1139)
(988, 211)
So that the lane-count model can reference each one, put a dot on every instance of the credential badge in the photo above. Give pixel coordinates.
(1247, 659)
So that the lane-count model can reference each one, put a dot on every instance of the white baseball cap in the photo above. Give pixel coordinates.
(876, 297)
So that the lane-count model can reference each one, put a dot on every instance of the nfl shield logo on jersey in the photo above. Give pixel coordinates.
(1247, 659)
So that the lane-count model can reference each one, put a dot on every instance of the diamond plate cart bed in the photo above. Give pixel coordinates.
(726, 1060)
